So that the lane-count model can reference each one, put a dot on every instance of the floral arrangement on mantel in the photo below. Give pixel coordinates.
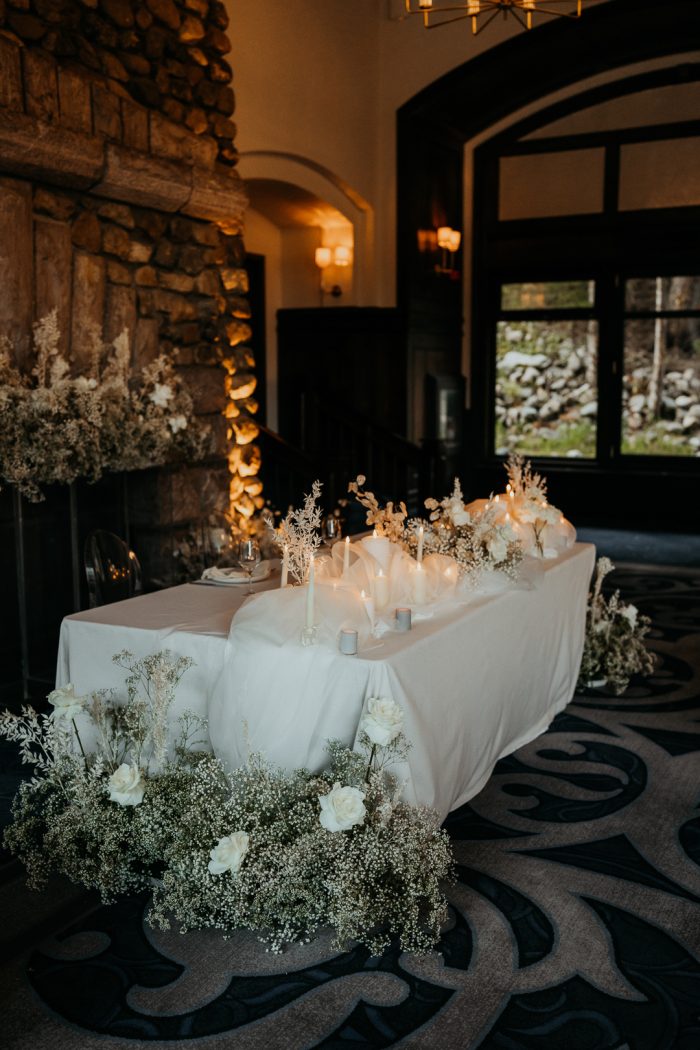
(279, 853)
(614, 647)
(57, 427)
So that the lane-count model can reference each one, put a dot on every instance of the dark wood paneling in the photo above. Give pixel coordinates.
(353, 356)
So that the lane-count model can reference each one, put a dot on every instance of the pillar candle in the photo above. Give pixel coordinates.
(285, 566)
(346, 555)
(419, 585)
(310, 596)
(381, 590)
(380, 549)
(421, 537)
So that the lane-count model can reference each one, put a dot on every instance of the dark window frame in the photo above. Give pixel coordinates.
(615, 246)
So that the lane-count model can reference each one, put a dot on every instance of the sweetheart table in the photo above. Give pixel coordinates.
(475, 681)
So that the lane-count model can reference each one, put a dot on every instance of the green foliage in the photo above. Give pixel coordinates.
(580, 436)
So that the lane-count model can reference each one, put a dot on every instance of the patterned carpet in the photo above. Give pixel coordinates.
(575, 920)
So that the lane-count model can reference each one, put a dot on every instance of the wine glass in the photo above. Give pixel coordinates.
(249, 559)
(331, 529)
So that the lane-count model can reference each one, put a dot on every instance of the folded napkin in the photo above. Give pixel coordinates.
(216, 575)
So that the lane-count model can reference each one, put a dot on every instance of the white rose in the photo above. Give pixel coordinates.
(161, 394)
(458, 515)
(383, 721)
(65, 703)
(228, 853)
(630, 614)
(497, 547)
(177, 423)
(527, 512)
(126, 785)
(342, 808)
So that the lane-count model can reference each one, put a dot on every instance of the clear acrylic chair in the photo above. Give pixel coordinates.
(112, 570)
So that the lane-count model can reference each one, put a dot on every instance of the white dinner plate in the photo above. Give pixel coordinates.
(226, 577)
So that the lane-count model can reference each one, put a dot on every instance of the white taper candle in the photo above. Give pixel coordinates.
(310, 595)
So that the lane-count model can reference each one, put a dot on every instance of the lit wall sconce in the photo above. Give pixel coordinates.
(340, 255)
(448, 240)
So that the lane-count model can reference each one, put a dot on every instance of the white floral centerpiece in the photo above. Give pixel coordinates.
(387, 521)
(541, 527)
(479, 541)
(299, 534)
(614, 647)
(57, 427)
(257, 848)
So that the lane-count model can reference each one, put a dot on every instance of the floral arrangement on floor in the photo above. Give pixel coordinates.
(58, 427)
(614, 647)
(257, 848)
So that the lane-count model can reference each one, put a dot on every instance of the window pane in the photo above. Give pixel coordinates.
(660, 174)
(547, 295)
(539, 185)
(662, 293)
(661, 389)
(546, 388)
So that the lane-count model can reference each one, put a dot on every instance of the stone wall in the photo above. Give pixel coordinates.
(166, 55)
(120, 205)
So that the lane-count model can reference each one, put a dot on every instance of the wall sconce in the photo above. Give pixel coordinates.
(448, 240)
(340, 255)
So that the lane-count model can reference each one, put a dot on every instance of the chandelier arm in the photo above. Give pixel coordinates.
(446, 21)
(487, 21)
(518, 17)
(433, 16)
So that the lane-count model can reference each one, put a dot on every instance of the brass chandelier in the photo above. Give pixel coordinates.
(482, 12)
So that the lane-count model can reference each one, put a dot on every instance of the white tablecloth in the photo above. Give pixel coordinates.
(475, 683)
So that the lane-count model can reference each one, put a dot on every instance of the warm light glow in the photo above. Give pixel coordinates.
(423, 4)
(443, 236)
(342, 255)
(454, 240)
(323, 257)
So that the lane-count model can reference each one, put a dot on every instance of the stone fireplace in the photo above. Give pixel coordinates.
(120, 206)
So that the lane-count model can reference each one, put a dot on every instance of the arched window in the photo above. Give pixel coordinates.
(588, 277)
